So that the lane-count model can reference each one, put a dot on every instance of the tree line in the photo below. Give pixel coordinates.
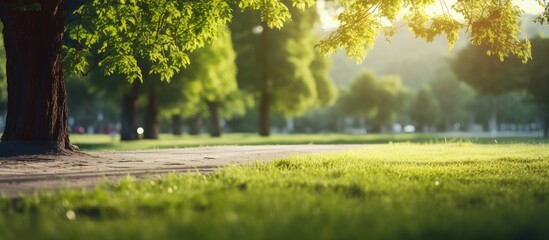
(457, 97)
(272, 70)
(149, 39)
(445, 103)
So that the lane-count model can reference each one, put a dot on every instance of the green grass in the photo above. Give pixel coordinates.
(106, 142)
(390, 191)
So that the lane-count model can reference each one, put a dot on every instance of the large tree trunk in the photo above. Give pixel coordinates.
(213, 107)
(36, 119)
(177, 125)
(152, 124)
(264, 118)
(128, 117)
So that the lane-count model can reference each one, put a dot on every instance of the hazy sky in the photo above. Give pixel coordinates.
(529, 6)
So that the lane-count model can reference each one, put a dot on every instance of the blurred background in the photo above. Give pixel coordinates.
(258, 80)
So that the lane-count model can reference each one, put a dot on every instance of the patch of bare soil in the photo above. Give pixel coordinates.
(26, 174)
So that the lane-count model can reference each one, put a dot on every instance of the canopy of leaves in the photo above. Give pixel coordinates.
(160, 32)
(213, 70)
(211, 77)
(544, 16)
(493, 23)
(163, 32)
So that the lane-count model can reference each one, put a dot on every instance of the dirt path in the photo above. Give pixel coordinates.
(25, 175)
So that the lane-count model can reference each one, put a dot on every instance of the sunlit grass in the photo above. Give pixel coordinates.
(107, 142)
(405, 191)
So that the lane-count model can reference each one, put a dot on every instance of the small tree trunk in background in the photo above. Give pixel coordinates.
(265, 68)
(421, 127)
(213, 107)
(448, 126)
(36, 120)
(128, 117)
(197, 125)
(486, 126)
(545, 110)
(444, 125)
(376, 128)
(332, 124)
(264, 123)
(493, 125)
(545, 124)
(177, 125)
(152, 124)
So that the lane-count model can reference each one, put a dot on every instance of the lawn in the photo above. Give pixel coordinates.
(456, 190)
(106, 142)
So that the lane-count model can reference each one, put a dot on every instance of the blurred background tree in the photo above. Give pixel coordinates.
(425, 112)
(362, 95)
(116, 91)
(375, 100)
(534, 78)
(488, 75)
(326, 90)
(389, 97)
(278, 67)
(537, 75)
(303, 97)
(453, 96)
(211, 78)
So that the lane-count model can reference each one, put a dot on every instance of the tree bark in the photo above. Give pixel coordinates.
(264, 118)
(213, 107)
(128, 132)
(152, 124)
(177, 125)
(36, 121)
